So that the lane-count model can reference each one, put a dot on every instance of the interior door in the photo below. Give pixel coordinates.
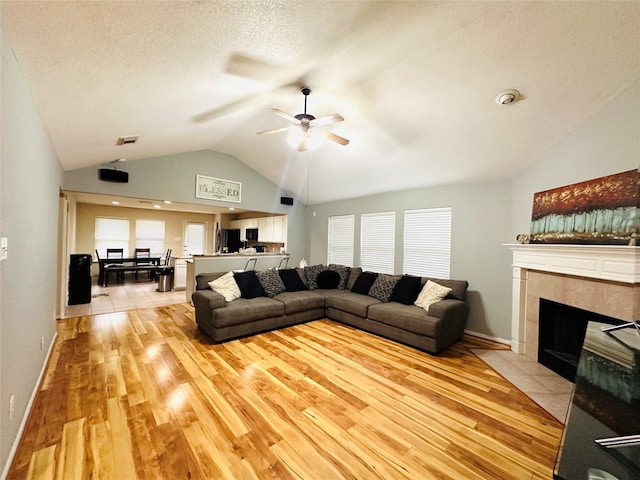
(195, 238)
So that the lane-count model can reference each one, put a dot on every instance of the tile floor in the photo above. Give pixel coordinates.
(549, 390)
(125, 296)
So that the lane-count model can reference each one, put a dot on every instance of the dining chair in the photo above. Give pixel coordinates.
(116, 254)
(144, 253)
(167, 257)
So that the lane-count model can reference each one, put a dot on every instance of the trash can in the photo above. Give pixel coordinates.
(165, 279)
(79, 279)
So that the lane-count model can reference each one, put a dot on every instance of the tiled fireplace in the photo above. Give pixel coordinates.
(603, 279)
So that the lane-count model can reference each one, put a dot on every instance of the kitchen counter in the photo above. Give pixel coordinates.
(605, 405)
(231, 261)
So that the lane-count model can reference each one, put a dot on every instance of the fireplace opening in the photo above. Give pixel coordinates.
(561, 335)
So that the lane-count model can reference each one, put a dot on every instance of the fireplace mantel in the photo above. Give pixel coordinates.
(596, 263)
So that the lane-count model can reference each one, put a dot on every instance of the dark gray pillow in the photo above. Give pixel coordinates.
(271, 282)
(328, 279)
(383, 286)
(312, 275)
(363, 283)
(343, 271)
(291, 279)
(249, 285)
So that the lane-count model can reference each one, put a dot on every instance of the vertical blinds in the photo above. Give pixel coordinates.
(340, 240)
(427, 242)
(377, 241)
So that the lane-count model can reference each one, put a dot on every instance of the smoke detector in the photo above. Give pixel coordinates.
(507, 97)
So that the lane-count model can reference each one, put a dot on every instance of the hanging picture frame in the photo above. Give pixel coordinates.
(212, 188)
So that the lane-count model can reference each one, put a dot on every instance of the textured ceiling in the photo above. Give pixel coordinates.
(415, 81)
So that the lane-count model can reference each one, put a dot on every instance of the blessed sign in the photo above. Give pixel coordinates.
(213, 188)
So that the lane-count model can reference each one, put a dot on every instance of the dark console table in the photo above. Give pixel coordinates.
(601, 438)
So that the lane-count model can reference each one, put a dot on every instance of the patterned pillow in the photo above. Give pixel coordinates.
(432, 292)
(312, 275)
(344, 274)
(271, 282)
(383, 286)
(226, 286)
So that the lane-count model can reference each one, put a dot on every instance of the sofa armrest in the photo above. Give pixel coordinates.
(453, 316)
(205, 302)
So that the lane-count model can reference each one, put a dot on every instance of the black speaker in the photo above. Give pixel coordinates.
(109, 175)
(79, 279)
(286, 200)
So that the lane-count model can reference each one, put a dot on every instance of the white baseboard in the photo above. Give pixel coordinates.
(25, 417)
(488, 337)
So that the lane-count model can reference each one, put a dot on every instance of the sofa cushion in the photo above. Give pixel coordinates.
(249, 285)
(203, 279)
(406, 290)
(226, 286)
(353, 303)
(432, 292)
(382, 287)
(245, 310)
(311, 273)
(328, 279)
(363, 283)
(271, 282)
(343, 271)
(291, 279)
(407, 317)
(300, 301)
(354, 273)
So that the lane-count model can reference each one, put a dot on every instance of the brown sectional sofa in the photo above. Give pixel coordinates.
(430, 331)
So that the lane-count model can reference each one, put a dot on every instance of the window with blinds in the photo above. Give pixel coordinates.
(150, 234)
(340, 240)
(378, 241)
(427, 242)
(111, 233)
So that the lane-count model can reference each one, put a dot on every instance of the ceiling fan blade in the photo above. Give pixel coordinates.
(328, 120)
(274, 130)
(336, 138)
(286, 116)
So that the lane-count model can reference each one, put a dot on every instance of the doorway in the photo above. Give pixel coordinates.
(195, 238)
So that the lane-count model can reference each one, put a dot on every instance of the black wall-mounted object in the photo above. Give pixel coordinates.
(117, 176)
(286, 200)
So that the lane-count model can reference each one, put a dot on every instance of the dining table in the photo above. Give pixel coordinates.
(124, 264)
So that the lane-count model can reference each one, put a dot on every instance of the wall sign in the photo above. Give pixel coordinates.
(213, 188)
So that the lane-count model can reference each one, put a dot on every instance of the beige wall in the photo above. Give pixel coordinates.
(174, 225)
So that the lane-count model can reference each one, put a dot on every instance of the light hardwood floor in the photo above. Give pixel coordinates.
(143, 394)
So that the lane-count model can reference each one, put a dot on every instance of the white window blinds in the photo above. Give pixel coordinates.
(150, 234)
(427, 242)
(340, 240)
(111, 233)
(378, 241)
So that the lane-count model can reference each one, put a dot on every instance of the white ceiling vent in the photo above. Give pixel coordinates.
(127, 140)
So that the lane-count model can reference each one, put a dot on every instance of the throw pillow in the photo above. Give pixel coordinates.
(292, 280)
(343, 271)
(271, 282)
(363, 283)
(383, 286)
(432, 292)
(226, 286)
(406, 290)
(328, 279)
(249, 285)
(312, 275)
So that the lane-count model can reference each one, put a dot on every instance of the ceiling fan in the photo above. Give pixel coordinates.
(307, 124)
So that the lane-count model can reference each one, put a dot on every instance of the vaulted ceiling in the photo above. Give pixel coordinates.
(415, 81)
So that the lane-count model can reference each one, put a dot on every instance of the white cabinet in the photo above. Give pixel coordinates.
(270, 229)
(179, 265)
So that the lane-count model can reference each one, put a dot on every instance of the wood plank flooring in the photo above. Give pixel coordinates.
(143, 394)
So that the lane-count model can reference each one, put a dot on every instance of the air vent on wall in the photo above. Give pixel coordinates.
(127, 140)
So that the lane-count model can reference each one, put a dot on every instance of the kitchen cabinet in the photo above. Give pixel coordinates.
(179, 265)
(270, 229)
